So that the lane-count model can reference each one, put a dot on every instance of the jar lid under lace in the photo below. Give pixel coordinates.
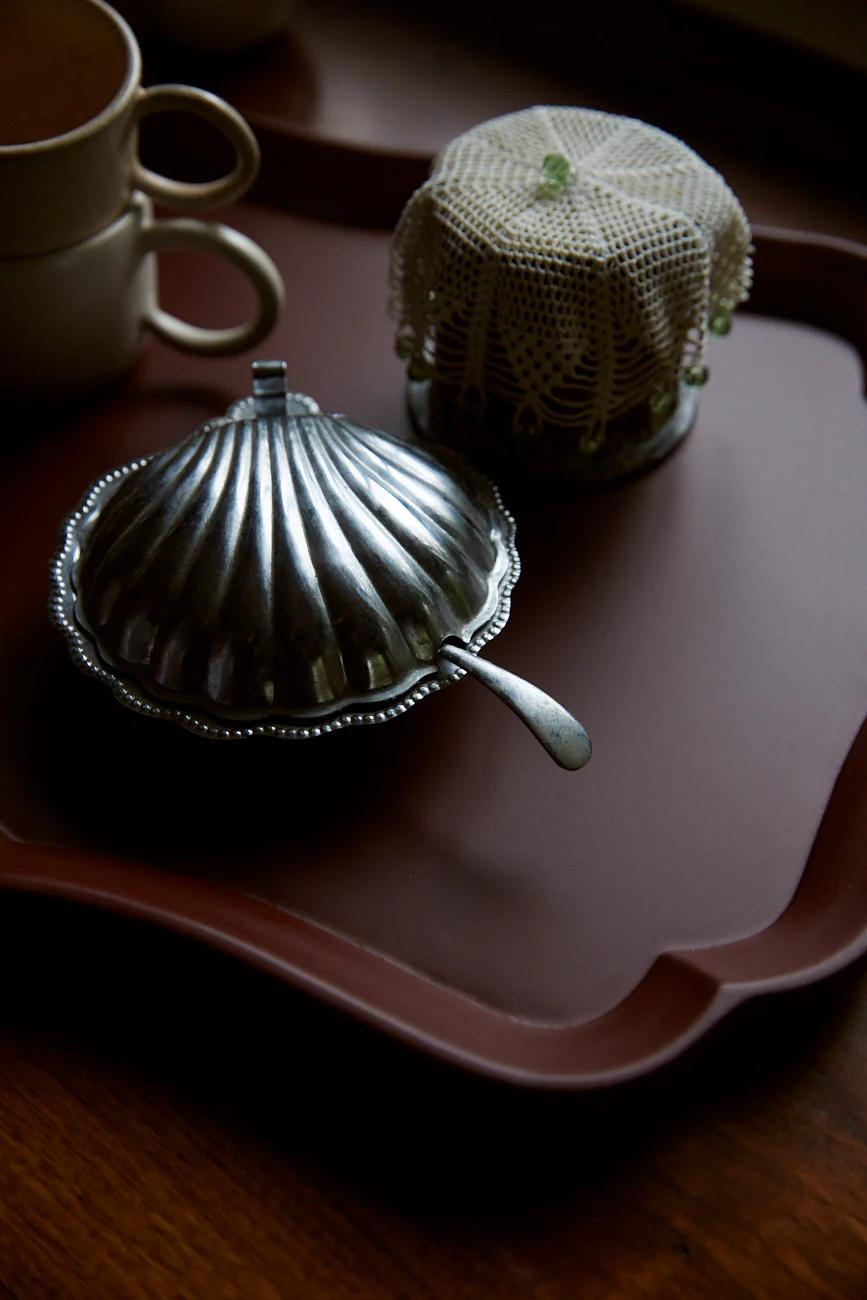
(569, 263)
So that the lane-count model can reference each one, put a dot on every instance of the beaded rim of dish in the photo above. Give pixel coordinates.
(85, 652)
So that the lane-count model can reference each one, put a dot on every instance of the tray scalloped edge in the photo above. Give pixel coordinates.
(699, 986)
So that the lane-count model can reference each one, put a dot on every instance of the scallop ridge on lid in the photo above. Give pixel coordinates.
(289, 565)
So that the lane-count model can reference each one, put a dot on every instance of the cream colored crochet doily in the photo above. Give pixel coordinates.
(569, 262)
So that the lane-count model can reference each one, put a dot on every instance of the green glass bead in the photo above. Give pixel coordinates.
(696, 376)
(557, 172)
(404, 346)
(556, 168)
(720, 324)
(663, 403)
(419, 369)
(727, 305)
(592, 440)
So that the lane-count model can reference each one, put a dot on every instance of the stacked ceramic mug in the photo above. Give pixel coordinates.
(78, 236)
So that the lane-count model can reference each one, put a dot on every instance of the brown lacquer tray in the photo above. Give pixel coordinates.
(351, 103)
(437, 876)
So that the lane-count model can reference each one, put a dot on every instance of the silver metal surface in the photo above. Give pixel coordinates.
(286, 572)
(269, 383)
(553, 726)
(616, 459)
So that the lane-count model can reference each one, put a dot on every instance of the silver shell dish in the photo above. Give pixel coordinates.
(288, 572)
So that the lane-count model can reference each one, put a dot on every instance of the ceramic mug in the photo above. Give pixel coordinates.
(75, 318)
(70, 99)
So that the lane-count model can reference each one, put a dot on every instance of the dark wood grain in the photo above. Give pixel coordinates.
(189, 1128)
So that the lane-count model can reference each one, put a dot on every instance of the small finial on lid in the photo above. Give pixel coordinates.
(269, 387)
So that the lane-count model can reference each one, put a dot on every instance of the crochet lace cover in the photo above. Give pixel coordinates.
(568, 262)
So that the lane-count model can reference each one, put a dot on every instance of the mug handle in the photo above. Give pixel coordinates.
(233, 247)
(204, 194)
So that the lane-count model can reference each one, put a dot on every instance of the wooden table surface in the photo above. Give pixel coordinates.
(173, 1124)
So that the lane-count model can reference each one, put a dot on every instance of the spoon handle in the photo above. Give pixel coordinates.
(564, 738)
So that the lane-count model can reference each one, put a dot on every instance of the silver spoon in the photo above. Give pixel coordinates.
(553, 726)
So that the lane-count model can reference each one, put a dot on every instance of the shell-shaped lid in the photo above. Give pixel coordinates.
(287, 565)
